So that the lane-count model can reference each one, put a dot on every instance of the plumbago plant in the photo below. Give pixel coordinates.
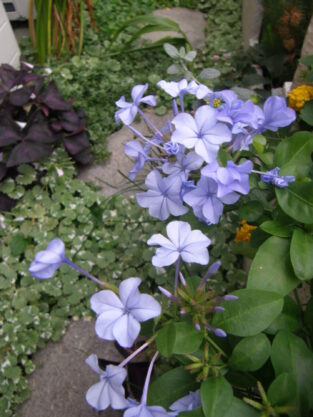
(246, 353)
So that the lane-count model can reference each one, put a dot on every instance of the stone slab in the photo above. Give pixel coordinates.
(106, 174)
(192, 23)
(307, 49)
(61, 379)
(252, 16)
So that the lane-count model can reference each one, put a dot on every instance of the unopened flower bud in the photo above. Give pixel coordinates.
(219, 308)
(167, 294)
(182, 279)
(197, 326)
(220, 333)
(229, 297)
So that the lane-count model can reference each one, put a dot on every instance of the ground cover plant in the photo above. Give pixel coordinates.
(226, 155)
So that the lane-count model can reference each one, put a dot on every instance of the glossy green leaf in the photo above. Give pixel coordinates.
(290, 354)
(197, 412)
(259, 142)
(250, 314)
(271, 268)
(293, 155)
(301, 254)
(275, 228)
(251, 353)
(187, 338)
(282, 390)
(296, 200)
(216, 396)
(288, 319)
(251, 211)
(171, 386)
(306, 113)
(240, 409)
(308, 316)
(165, 340)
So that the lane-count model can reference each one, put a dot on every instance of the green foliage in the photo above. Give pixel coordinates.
(250, 314)
(251, 353)
(216, 396)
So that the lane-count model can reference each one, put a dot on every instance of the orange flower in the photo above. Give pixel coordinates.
(244, 232)
(299, 96)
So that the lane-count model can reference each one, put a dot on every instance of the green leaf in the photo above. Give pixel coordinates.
(290, 354)
(288, 319)
(209, 74)
(301, 254)
(250, 314)
(171, 50)
(187, 338)
(307, 60)
(251, 353)
(165, 340)
(259, 142)
(293, 155)
(216, 396)
(275, 228)
(281, 391)
(297, 201)
(240, 409)
(171, 386)
(251, 211)
(18, 244)
(306, 113)
(308, 314)
(197, 412)
(271, 268)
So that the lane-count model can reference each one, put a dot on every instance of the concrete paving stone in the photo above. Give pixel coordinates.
(61, 379)
(192, 23)
(106, 174)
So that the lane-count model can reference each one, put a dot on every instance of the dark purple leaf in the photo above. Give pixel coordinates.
(26, 152)
(3, 170)
(78, 143)
(9, 132)
(21, 96)
(45, 111)
(40, 133)
(52, 99)
(3, 93)
(56, 126)
(85, 157)
(9, 76)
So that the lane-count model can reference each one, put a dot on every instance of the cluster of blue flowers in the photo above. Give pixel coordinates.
(185, 148)
(189, 143)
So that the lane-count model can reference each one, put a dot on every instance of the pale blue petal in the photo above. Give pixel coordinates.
(105, 324)
(164, 257)
(92, 362)
(105, 300)
(128, 290)
(98, 396)
(145, 308)
(126, 330)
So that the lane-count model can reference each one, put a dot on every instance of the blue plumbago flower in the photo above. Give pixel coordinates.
(204, 201)
(141, 409)
(163, 196)
(109, 390)
(274, 178)
(119, 317)
(171, 148)
(178, 89)
(230, 179)
(277, 114)
(203, 132)
(128, 111)
(242, 141)
(134, 149)
(203, 92)
(187, 403)
(48, 261)
(183, 164)
(186, 187)
(189, 245)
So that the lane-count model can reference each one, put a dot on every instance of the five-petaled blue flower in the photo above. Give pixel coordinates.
(119, 317)
(109, 391)
(46, 262)
(189, 245)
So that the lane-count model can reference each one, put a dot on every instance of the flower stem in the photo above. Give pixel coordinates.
(137, 351)
(150, 123)
(141, 136)
(94, 279)
(147, 381)
(176, 275)
(215, 345)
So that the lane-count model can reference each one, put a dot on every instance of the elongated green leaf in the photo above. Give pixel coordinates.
(250, 314)
(216, 396)
(282, 390)
(306, 113)
(293, 155)
(187, 338)
(275, 228)
(271, 268)
(251, 353)
(171, 386)
(197, 412)
(165, 340)
(301, 254)
(288, 319)
(146, 29)
(297, 201)
(251, 211)
(290, 354)
(240, 409)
